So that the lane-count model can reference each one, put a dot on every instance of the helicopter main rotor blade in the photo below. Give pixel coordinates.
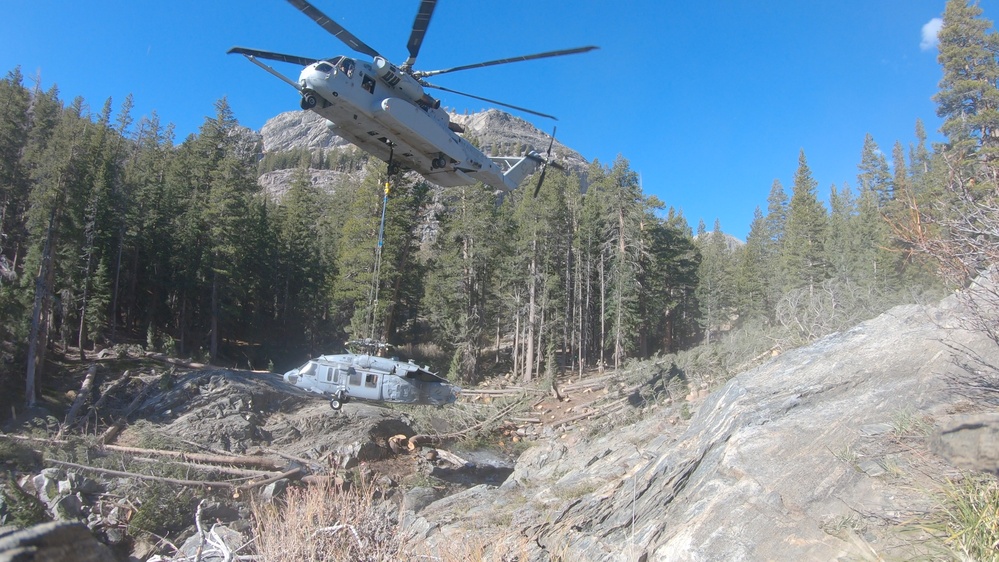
(333, 27)
(270, 55)
(425, 73)
(518, 108)
(420, 25)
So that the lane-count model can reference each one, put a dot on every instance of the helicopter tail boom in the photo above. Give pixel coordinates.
(270, 70)
(517, 168)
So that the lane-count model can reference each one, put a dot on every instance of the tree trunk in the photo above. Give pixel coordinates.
(37, 313)
(531, 312)
(214, 341)
(603, 312)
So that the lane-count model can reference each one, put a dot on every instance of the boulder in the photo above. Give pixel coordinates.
(969, 441)
(53, 542)
(797, 459)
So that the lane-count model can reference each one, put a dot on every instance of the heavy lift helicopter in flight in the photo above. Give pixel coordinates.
(385, 111)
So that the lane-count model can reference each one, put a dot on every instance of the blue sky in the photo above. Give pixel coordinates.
(710, 101)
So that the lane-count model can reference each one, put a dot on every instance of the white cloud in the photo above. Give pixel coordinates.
(931, 32)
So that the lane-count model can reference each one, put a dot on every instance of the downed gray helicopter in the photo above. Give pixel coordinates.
(368, 376)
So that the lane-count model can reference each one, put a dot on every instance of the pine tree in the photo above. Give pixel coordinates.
(874, 175)
(802, 257)
(303, 275)
(841, 245)
(461, 286)
(752, 299)
(14, 127)
(968, 100)
(716, 282)
(772, 244)
(58, 176)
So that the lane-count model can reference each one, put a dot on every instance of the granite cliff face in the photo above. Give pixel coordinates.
(823, 453)
(299, 129)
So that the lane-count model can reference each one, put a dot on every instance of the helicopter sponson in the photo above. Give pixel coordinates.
(367, 377)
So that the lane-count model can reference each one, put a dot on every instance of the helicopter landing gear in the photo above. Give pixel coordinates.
(309, 101)
(438, 162)
(339, 399)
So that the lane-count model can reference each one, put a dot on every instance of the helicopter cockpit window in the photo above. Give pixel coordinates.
(324, 67)
(371, 381)
(347, 66)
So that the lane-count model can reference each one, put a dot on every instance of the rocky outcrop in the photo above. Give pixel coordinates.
(815, 455)
(53, 542)
(276, 183)
(969, 441)
(298, 129)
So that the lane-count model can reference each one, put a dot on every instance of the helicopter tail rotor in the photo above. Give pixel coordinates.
(546, 161)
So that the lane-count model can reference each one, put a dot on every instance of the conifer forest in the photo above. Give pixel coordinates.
(114, 231)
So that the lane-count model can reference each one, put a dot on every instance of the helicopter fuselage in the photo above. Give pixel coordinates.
(360, 376)
(385, 112)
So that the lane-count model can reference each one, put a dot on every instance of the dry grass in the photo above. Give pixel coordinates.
(968, 522)
(326, 522)
(330, 522)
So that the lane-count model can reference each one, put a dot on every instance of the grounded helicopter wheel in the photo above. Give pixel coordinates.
(309, 101)
(336, 404)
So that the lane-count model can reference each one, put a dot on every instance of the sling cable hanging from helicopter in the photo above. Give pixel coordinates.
(373, 299)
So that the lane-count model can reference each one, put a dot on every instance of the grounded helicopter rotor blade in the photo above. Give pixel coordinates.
(518, 108)
(333, 27)
(420, 25)
(425, 73)
(293, 59)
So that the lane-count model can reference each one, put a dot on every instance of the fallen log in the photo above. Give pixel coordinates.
(181, 482)
(425, 439)
(112, 432)
(509, 391)
(603, 410)
(74, 410)
(260, 462)
(243, 472)
(589, 383)
(174, 361)
(452, 458)
(122, 381)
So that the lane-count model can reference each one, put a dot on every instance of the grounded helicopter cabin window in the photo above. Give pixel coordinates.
(354, 378)
(368, 84)
(329, 374)
(371, 380)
